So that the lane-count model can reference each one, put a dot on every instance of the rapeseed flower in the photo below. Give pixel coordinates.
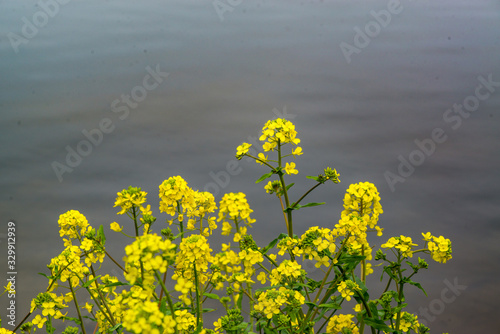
(342, 323)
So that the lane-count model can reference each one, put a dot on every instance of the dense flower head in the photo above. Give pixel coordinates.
(342, 323)
(194, 252)
(146, 317)
(73, 224)
(316, 244)
(175, 191)
(408, 321)
(234, 206)
(287, 271)
(440, 247)
(148, 252)
(129, 198)
(68, 266)
(279, 130)
(271, 301)
(203, 203)
(363, 199)
(402, 243)
(50, 304)
(347, 289)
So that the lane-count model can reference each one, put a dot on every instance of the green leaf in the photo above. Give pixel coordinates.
(309, 205)
(289, 186)
(263, 177)
(207, 310)
(87, 284)
(116, 284)
(273, 243)
(211, 296)
(100, 235)
(378, 324)
(298, 206)
(330, 306)
(315, 178)
(409, 281)
(116, 327)
(48, 277)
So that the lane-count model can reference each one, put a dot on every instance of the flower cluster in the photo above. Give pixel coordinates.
(146, 317)
(271, 301)
(130, 198)
(147, 253)
(234, 208)
(73, 224)
(363, 199)
(170, 276)
(177, 198)
(440, 247)
(342, 324)
(402, 243)
(279, 131)
(347, 289)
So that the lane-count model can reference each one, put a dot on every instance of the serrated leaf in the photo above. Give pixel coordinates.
(263, 177)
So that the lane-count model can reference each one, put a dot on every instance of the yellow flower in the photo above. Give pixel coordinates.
(9, 289)
(114, 226)
(347, 288)
(262, 158)
(297, 151)
(88, 307)
(262, 277)
(39, 321)
(321, 261)
(290, 168)
(342, 324)
(242, 150)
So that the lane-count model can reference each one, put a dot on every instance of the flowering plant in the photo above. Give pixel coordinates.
(166, 280)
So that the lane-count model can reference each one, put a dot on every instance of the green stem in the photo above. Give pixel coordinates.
(285, 193)
(77, 307)
(134, 217)
(306, 193)
(169, 300)
(199, 316)
(103, 300)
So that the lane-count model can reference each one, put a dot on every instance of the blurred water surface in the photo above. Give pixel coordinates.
(226, 75)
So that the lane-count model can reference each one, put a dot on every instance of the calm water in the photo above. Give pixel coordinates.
(359, 110)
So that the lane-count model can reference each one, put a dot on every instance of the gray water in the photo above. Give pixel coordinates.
(228, 73)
